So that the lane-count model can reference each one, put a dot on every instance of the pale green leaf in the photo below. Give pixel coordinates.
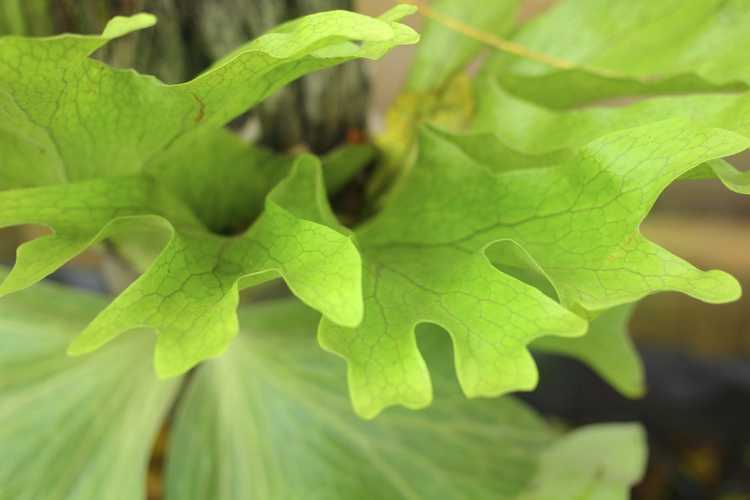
(65, 117)
(220, 178)
(532, 135)
(536, 135)
(599, 462)
(73, 429)
(577, 221)
(609, 49)
(443, 52)
(438, 90)
(270, 420)
(736, 180)
(113, 151)
(190, 293)
(225, 181)
(607, 348)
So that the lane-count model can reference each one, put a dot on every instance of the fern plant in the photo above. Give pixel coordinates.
(504, 209)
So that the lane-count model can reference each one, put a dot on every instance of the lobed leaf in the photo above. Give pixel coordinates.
(607, 348)
(239, 414)
(114, 152)
(542, 136)
(577, 221)
(190, 293)
(527, 135)
(65, 117)
(232, 433)
(221, 179)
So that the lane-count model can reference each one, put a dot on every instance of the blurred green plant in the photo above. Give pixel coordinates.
(501, 213)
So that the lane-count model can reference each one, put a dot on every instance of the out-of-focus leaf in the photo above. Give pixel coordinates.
(343, 163)
(73, 429)
(221, 179)
(443, 51)
(537, 135)
(607, 348)
(599, 462)
(271, 421)
(637, 47)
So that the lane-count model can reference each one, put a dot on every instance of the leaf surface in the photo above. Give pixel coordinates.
(270, 421)
(190, 292)
(639, 47)
(65, 117)
(537, 135)
(113, 152)
(443, 52)
(598, 462)
(73, 429)
(577, 221)
(531, 135)
(607, 348)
